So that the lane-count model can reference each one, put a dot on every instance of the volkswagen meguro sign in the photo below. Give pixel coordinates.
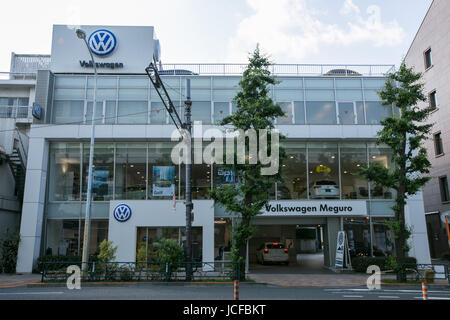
(102, 42)
(122, 212)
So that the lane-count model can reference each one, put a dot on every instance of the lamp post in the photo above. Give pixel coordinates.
(87, 222)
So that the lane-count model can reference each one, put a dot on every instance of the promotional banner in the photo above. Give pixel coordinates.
(100, 180)
(224, 177)
(340, 249)
(163, 181)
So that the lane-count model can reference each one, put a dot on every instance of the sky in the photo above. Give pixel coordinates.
(226, 31)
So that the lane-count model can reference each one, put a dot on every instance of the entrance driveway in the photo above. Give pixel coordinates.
(309, 271)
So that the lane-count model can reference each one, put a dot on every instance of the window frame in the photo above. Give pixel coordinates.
(427, 55)
(436, 146)
(443, 188)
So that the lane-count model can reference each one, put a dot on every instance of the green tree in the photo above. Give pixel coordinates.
(10, 247)
(169, 251)
(107, 251)
(405, 135)
(255, 110)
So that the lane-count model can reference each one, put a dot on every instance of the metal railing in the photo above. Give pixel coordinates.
(24, 63)
(418, 271)
(18, 75)
(143, 271)
(15, 112)
(278, 69)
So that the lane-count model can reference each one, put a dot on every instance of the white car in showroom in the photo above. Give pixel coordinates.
(273, 252)
(324, 189)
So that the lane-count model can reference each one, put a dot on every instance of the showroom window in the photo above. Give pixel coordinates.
(353, 157)
(102, 171)
(131, 173)
(323, 166)
(293, 173)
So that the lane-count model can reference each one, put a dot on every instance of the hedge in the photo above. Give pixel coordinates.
(360, 264)
(59, 259)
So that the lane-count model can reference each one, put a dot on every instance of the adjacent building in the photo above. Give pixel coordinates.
(332, 117)
(429, 54)
(17, 90)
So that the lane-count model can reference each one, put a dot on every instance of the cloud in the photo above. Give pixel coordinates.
(290, 30)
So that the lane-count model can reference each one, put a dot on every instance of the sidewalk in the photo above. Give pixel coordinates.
(322, 280)
(18, 280)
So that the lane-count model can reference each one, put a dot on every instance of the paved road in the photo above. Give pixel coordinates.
(218, 292)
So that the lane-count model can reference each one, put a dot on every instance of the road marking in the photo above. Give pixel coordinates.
(433, 298)
(353, 296)
(389, 297)
(10, 293)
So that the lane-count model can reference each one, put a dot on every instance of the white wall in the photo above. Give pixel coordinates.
(159, 213)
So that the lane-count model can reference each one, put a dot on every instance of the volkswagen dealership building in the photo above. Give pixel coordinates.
(332, 116)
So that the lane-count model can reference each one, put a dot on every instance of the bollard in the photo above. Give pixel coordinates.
(424, 291)
(236, 289)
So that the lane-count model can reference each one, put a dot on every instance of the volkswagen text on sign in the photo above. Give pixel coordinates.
(102, 42)
(122, 213)
(315, 208)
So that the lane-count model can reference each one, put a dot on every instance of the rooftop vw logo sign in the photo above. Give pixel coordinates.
(122, 212)
(102, 42)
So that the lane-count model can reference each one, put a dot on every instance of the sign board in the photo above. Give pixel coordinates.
(327, 208)
(340, 249)
(163, 184)
(116, 49)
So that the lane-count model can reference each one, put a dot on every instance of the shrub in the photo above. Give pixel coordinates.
(169, 251)
(10, 247)
(360, 264)
(107, 251)
(446, 256)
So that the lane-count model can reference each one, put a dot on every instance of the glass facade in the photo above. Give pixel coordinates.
(142, 171)
(132, 100)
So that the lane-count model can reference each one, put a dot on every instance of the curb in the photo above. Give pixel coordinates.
(106, 284)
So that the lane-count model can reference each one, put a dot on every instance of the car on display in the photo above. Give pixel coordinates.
(324, 189)
(272, 252)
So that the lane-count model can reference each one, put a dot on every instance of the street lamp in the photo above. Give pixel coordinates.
(87, 222)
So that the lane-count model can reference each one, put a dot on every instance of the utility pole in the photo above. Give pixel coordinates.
(153, 74)
(189, 204)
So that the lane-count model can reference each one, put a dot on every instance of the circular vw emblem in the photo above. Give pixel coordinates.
(122, 212)
(102, 42)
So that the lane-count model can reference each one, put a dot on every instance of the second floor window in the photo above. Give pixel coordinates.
(428, 59)
(443, 185)
(432, 100)
(438, 146)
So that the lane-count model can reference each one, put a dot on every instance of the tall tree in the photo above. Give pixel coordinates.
(405, 135)
(255, 110)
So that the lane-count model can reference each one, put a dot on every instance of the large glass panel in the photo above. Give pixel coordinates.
(201, 94)
(132, 112)
(299, 112)
(133, 82)
(383, 156)
(103, 82)
(374, 83)
(353, 156)
(360, 112)
(163, 174)
(285, 94)
(226, 82)
(349, 95)
(293, 173)
(131, 170)
(147, 237)
(221, 110)
(201, 111)
(199, 82)
(102, 171)
(69, 94)
(375, 112)
(323, 171)
(98, 118)
(348, 83)
(371, 95)
(158, 113)
(224, 95)
(110, 112)
(201, 180)
(286, 107)
(321, 112)
(289, 83)
(70, 82)
(319, 83)
(133, 94)
(64, 171)
(102, 94)
(319, 95)
(346, 113)
(68, 111)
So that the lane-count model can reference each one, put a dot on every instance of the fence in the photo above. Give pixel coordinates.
(143, 271)
(417, 271)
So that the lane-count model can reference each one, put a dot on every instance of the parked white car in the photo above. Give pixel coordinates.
(324, 189)
(272, 252)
